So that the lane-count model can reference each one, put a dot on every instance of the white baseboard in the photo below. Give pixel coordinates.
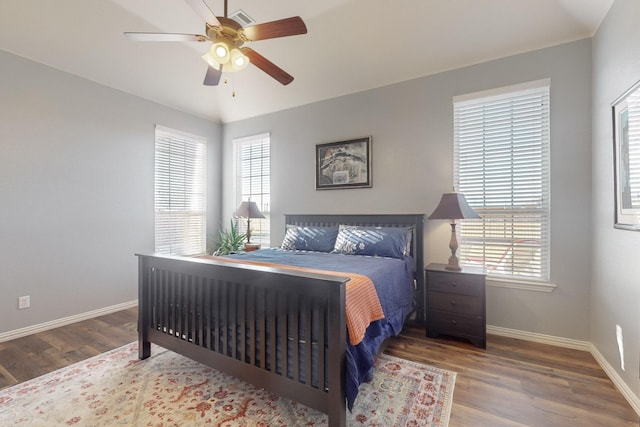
(23, 332)
(539, 338)
(627, 393)
(617, 380)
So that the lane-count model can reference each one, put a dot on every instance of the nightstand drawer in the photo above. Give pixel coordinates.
(455, 324)
(456, 303)
(466, 284)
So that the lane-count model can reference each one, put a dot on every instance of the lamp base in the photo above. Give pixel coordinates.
(453, 245)
(249, 247)
(453, 264)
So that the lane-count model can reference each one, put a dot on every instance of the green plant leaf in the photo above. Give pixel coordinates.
(230, 240)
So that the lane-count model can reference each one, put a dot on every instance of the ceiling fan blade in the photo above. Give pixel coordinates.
(201, 8)
(267, 66)
(212, 78)
(280, 28)
(165, 37)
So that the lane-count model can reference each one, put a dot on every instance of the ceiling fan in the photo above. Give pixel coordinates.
(227, 37)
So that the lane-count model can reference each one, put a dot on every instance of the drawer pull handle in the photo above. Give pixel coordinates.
(453, 283)
(453, 303)
(453, 322)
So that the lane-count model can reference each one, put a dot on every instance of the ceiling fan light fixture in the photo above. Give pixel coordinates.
(211, 61)
(220, 52)
(239, 60)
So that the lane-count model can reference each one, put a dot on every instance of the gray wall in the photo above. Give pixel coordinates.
(76, 190)
(411, 126)
(615, 293)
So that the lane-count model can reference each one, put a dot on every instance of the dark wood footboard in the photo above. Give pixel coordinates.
(281, 331)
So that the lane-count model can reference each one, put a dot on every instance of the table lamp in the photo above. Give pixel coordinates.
(453, 206)
(249, 209)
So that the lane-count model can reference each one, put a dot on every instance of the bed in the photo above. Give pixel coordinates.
(283, 327)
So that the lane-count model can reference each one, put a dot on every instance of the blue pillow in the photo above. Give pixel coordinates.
(373, 241)
(309, 238)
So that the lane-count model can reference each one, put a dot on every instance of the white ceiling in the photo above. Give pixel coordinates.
(351, 45)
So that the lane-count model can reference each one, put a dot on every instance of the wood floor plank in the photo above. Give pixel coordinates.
(7, 378)
(462, 415)
(513, 383)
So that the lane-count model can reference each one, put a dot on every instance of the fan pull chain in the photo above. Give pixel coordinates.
(233, 86)
(233, 92)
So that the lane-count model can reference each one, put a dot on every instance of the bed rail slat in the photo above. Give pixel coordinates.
(272, 297)
(195, 310)
(224, 320)
(184, 290)
(164, 310)
(232, 321)
(206, 320)
(294, 322)
(243, 313)
(322, 330)
(262, 327)
(217, 315)
(252, 327)
(306, 320)
(282, 343)
(199, 310)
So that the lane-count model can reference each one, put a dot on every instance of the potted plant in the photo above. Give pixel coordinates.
(229, 240)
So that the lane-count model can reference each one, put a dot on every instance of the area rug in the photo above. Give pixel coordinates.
(116, 388)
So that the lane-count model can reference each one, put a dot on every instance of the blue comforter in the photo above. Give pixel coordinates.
(393, 280)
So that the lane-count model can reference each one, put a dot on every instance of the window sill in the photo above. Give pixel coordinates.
(527, 285)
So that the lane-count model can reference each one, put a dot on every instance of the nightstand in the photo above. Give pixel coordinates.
(456, 303)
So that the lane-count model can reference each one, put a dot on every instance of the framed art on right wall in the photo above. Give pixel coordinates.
(626, 155)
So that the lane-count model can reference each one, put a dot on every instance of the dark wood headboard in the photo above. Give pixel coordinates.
(415, 221)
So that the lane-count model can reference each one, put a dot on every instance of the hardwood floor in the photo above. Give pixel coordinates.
(520, 383)
(511, 383)
(29, 357)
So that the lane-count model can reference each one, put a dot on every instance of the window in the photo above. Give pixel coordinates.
(501, 165)
(180, 177)
(253, 182)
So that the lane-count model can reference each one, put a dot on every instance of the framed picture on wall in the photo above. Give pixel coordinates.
(344, 164)
(626, 155)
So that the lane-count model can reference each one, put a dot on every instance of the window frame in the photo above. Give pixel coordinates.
(517, 247)
(180, 215)
(260, 228)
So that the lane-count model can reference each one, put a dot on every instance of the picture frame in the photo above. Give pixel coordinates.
(626, 155)
(344, 164)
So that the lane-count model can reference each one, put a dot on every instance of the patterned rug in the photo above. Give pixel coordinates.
(116, 388)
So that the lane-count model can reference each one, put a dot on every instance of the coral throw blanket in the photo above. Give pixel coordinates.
(363, 305)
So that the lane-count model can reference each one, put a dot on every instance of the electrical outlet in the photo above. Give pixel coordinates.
(24, 302)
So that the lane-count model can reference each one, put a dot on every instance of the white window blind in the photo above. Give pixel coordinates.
(253, 182)
(180, 176)
(501, 165)
(629, 156)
